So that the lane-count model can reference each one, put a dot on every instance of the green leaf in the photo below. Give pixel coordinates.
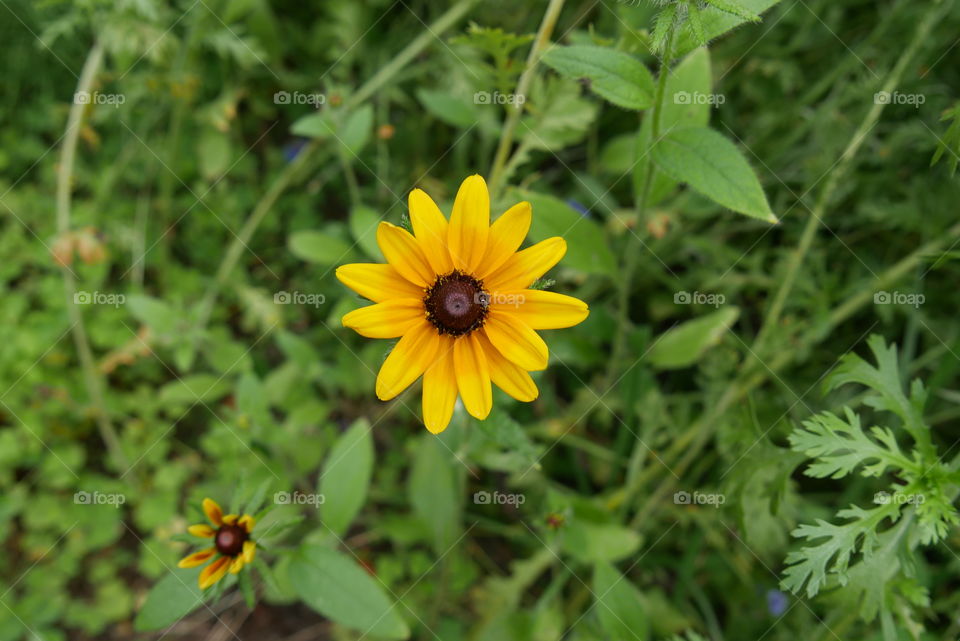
(337, 587)
(713, 166)
(172, 598)
(734, 8)
(356, 131)
(194, 388)
(363, 226)
(683, 345)
(686, 104)
(885, 380)
(346, 477)
(842, 446)
(715, 22)
(591, 542)
(558, 115)
(448, 108)
(587, 247)
(435, 491)
(154, 313)
(246, 587)
(619, 605)
(318, 247)
(809, 565)
(315, 125)
(352, 133)
(614, 75)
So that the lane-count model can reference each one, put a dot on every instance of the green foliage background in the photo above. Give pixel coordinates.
(204, 197)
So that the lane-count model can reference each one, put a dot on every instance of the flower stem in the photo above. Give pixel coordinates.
(386, 74)
(839, 171)
(631, 256)
(547, 25)
(68, 153)
(687, 446)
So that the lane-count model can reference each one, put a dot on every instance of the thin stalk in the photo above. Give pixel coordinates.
(631, 256)
(690, 442)
(833, 180)
(386, 74)
(68, 153)
(687, 447)
(542, 39)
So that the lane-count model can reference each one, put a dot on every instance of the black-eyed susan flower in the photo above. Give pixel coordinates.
(232, 546)
(457, 294)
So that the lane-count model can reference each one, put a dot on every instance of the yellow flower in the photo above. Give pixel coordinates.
(232, 545)
(457, 295)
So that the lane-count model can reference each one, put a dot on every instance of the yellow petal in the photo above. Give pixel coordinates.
(440, 388)
(512, 379)
(213, 511)
(403, 252)
(378, 282)
(430, 228)
(230, 519)
(213, 572)
(526, 266)
(202, 530)
(469, 224)
(473, 376)
(249, 551)
(408, 360)
(236, 565)
(389, 319)
(541, 310)
(247, 522)
(197, 558)
(516, 341)
(506, 235)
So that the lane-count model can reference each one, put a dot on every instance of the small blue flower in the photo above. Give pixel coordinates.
(579, 207)
(776, 602)
(292, 149)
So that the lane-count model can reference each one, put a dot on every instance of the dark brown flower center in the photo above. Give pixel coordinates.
(456, 303)
(229, 540)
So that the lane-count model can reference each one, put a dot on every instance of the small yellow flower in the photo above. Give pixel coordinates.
(457, 295)
(232, 546)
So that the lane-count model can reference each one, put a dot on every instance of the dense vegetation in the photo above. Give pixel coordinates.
(753, 435)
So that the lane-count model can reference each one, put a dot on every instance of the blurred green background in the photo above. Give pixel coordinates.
(170, 320)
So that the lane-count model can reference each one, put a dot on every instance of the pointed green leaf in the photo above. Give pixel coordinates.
(346, 477)
(337, 587)
(714, 167)
(683, 345)
(614, 75)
